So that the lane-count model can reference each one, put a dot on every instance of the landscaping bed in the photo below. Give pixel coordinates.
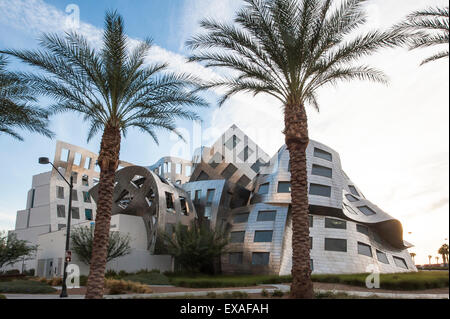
(25, 287)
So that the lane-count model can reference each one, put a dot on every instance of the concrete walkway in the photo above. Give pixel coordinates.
(283, 288)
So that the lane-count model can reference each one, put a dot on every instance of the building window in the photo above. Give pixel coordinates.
(334, 244)
(353, 190)
(311, 221)
(85, 180)
(75, 213)
(350, 209)
(178, 169)
(75, 177)
(322, 171)
(267, 216)
(312, 264)
(245, 154)
(88, 214)
(382, 257)
(33, 194)
(169, 201)
(364, 249)
(74, 195)
(198, 195)
(244, 181)
(237, 237)
(236, 258)
(229, 171)
(260, 259)
(87, 163)
(210, 197)
(77, 159)
(61, 226)
(263, 236)
(366, 210)
(240, 218)
(184, 206)
(208, 212)
(60, 192)
(351, 198)
(86, 197)
(310, 243)
(335, 223)
(263, 189)
(323, 154)
(257, 166)
(188, 170)
(284, 187)
(61, 211)
(400, 262)
(320, 190)
(64, 155)
(203, 176)
(362, 229)
(232, 142)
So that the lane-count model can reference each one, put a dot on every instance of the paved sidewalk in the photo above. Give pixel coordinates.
(284, 288)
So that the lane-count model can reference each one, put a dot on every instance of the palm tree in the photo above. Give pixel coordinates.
(289, 49)
(429, 259)
(413, 256)
(114, 89)
(427, 28)
(443, 251)
(16, 106)
(437, 260)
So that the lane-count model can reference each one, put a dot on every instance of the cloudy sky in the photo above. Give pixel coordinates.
(393, 140)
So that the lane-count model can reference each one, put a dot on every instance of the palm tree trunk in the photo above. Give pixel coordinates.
(108, 161)
(297, 140)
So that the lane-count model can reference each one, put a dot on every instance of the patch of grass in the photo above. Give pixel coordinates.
(403, 281)
(2, 297)
(148, 278)
(224, 281)
(25, 287)
(211, 295)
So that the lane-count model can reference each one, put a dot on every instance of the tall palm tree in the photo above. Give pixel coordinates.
(437, 259)
(443, 251)
(427, 28)
(289, 49)
(413, 256)
(17, 109)
(429, 259)
(114, 89)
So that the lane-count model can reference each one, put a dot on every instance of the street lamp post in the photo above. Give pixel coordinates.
(45, 161)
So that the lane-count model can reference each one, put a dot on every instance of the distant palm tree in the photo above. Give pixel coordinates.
(289, 49)
(413, 256)
(429, 259)
(437, 259)
(443, 251)
(428, 27)
(114, 89)
(17, 110)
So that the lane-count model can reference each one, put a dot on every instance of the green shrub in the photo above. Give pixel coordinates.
(225, 281)
(278, 294)
(83, 280)
(2, 297)
(148, 278)
(264, 293)
(111, 274)
(26, 286)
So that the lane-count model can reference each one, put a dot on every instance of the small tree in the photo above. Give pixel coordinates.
(443, 251)
(196, 248)
(13, 249)
(83, 238)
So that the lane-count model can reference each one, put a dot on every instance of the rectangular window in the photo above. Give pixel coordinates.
(210, 196)
(208, 212)
(263, 189)
(311, 221)
(260, 259)
(61, 226)
(178, 169)
(85, 180)
(237, 237)
(75, 177)
(353, 190)
(198, 195)
(64, 155)
(229, 171)
(400, 262)
(77, 159)
(87, 163)
(284, 187)
(60, 192)
(310, 243)
(184, 206)
(188, 170)
(362, 229)
(236, 258)
(351, 198)
(335, 223)
(323, 154)
(74, 195)
(61, 211)
(169, 201)
(86, 197)
(263, 236)
(75, 213)
(364, 249)
(382, 257)
(240, 218)
(33, 194)
(366, 210)
(267, 216)
(334, 244)
(312, 265)
(320, 190)
(322, 171)
(88, 214)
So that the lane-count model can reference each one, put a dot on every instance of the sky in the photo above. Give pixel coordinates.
(393, 139)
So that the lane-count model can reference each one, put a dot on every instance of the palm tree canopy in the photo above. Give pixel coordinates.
(17, 106)
(290, 48)
(113, 86)
(429, 27)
